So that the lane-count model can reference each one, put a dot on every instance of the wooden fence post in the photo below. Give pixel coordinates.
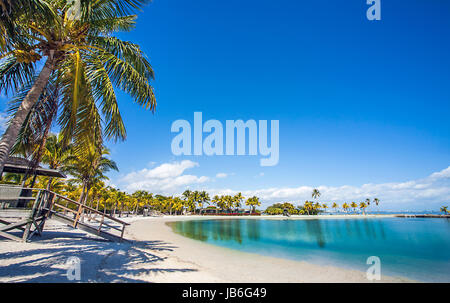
(31, 217)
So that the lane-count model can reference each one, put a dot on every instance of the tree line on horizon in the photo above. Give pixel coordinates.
(314, 208)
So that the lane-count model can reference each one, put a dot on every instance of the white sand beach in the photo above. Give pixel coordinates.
(154, 254)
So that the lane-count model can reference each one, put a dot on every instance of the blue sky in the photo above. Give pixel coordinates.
(363, 105)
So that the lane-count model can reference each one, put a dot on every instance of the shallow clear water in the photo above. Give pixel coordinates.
(410, 247)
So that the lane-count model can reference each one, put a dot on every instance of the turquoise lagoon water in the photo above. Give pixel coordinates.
(409, 247)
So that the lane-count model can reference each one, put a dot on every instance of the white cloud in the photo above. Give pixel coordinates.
(166, 178)
(426, 193)
(443, 174)
(221, 175)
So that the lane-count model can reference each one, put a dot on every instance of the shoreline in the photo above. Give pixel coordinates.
(221, 264)
(157, 254)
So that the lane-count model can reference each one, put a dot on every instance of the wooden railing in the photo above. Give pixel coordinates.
(84, 213)
(50, 204)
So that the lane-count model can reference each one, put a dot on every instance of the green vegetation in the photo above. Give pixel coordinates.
(311, 208)
(82, 65)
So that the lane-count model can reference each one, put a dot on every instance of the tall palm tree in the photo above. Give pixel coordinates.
(363, 207)
(376, 201)
(253, 202)
(345, 207)
(187, 194)
(56, 155)
(367, 202)
(203, 198)
(89, 164)
(315, 193)
(229, 202)
(308, 206)
(354, 206)
(335, 206)
(139, 196)
(84, 60)
(238, 200)
(222, 203)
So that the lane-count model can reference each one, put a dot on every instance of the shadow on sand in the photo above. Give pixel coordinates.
(44, 259)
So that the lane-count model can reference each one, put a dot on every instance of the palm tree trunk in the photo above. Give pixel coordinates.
(114, 209)
(10, 135)
(49, 186)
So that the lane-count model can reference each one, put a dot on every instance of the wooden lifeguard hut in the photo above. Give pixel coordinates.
(23, 211)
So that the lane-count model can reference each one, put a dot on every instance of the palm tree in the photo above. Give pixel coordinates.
(56, 155)
(89, 164)
(203, 197)
(317, 207)
(12, 12)
(238, 200)
(354, 206)
(345, 207)
(376, 201)
(335, 206)
(315, 193)
(82, 58)
(177, 204)
(367, 202)
(253, 202)
(216, 201)
(120, 201)
(308, 206)
(187, 194)
(228, 201)
(139, 195)
(363, 206)
(444, 209)
(222, 203)
(97, 191)
(325, 206)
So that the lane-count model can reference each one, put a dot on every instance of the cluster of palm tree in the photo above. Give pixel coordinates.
(314, 208)
(62, 64)
(219, 203)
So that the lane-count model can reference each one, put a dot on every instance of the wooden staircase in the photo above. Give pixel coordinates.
(48, 204)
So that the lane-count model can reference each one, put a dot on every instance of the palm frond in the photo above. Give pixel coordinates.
(14, 74)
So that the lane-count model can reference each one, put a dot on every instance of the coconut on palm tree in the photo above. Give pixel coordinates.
(83, 60)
